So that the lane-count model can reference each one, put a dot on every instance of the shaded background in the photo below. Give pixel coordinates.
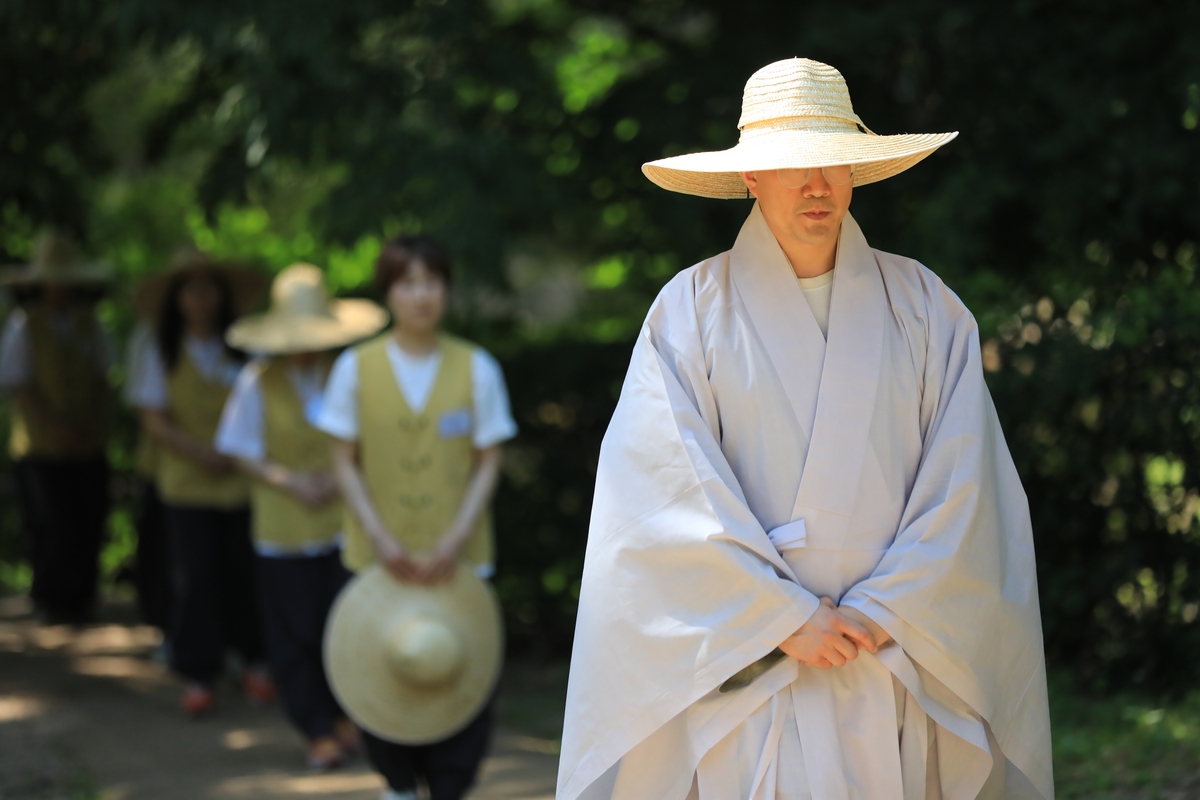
(1066, 216)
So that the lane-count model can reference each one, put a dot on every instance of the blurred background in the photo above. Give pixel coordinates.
(1066, 216)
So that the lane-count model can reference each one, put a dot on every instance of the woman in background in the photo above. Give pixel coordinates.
(267, 428)
(418, 418)
(181, 386)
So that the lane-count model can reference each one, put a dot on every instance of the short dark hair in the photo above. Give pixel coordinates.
(399, 253)
(170, 318)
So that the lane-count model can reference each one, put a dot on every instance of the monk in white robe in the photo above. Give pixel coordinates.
(810, 569)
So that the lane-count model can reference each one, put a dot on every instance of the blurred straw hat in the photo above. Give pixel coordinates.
(414, 664)
(303, 319)
(796, 114)
(56, 259)
(247, 285)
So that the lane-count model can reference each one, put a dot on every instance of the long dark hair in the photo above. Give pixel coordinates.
(170, 319)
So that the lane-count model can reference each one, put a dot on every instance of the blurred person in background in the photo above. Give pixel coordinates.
(418, 417)
(152, 562)
(180, 387)
(267, 428)
(54, 358)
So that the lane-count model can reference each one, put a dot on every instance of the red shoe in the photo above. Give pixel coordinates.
(197, 700)
(258, 686)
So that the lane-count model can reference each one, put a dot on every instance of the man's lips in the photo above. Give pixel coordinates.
(815, 215)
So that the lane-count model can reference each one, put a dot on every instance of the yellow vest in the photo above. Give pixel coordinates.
(279, 519)
(417, 466)
(195, 405)
(67, 376)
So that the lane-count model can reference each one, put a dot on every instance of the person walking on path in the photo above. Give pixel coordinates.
(54, 358)
(810, 570)
(180, 388)
(418, 417)
(152, 561)
(267, 429)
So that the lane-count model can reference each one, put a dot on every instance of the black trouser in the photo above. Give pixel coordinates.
(152, 570)
(213, 579)
(295, 595)
(64, 509)
(448, 767)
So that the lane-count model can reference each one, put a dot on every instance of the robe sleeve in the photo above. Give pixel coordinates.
(957, 588)
(681, 586)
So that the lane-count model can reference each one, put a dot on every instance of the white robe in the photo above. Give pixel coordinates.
(749, 469)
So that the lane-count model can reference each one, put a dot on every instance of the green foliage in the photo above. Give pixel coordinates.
(1123, 746)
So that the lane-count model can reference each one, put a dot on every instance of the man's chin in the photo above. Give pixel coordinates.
(815, 233)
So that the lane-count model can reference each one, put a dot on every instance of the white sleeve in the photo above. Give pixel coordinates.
(493, 417)
(339, 408)
(15, 369)
(139, 339)
(146, 384)
(240, 433)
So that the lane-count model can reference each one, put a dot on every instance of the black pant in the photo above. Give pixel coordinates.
(152, 569)
(64, 509)
(213, 580)
(295, 595)
(448, 767)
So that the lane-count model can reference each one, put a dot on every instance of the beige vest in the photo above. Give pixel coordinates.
(67, 377)
(279, 519)
(195, 405)
(417, 466)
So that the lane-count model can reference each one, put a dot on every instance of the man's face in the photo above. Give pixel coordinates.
(809, 215)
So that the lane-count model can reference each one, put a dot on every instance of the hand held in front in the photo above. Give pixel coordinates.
(395, 559)
(828, 639)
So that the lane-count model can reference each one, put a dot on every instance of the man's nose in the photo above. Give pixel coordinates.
(817, 186)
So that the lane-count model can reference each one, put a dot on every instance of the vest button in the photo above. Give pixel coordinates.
(426, 501)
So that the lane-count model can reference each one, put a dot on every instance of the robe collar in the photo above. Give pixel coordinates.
(830, 386)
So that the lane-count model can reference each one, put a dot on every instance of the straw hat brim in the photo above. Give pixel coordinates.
(249, 287)
(715, 173)
(357, 665)
(280, 333)
(94, 273)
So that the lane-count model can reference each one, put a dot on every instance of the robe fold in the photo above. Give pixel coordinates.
(752, 467)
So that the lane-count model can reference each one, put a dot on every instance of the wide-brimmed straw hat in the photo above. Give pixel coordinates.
(796, 114)
(247, 285)
(414, 664)
(303, 319)
(56, 259)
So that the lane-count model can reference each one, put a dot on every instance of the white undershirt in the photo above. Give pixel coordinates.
(818, 292)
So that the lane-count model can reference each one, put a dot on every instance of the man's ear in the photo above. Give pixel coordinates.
(751, 181)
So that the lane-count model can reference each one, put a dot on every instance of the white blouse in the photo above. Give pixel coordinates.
(241, 433)
(146, 383)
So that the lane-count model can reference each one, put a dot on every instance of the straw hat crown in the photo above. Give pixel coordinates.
(414, 664)
(796, 114)
(797, 94)
(303, 318)
(56, 259)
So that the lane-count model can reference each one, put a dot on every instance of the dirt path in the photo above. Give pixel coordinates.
(87, 713)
